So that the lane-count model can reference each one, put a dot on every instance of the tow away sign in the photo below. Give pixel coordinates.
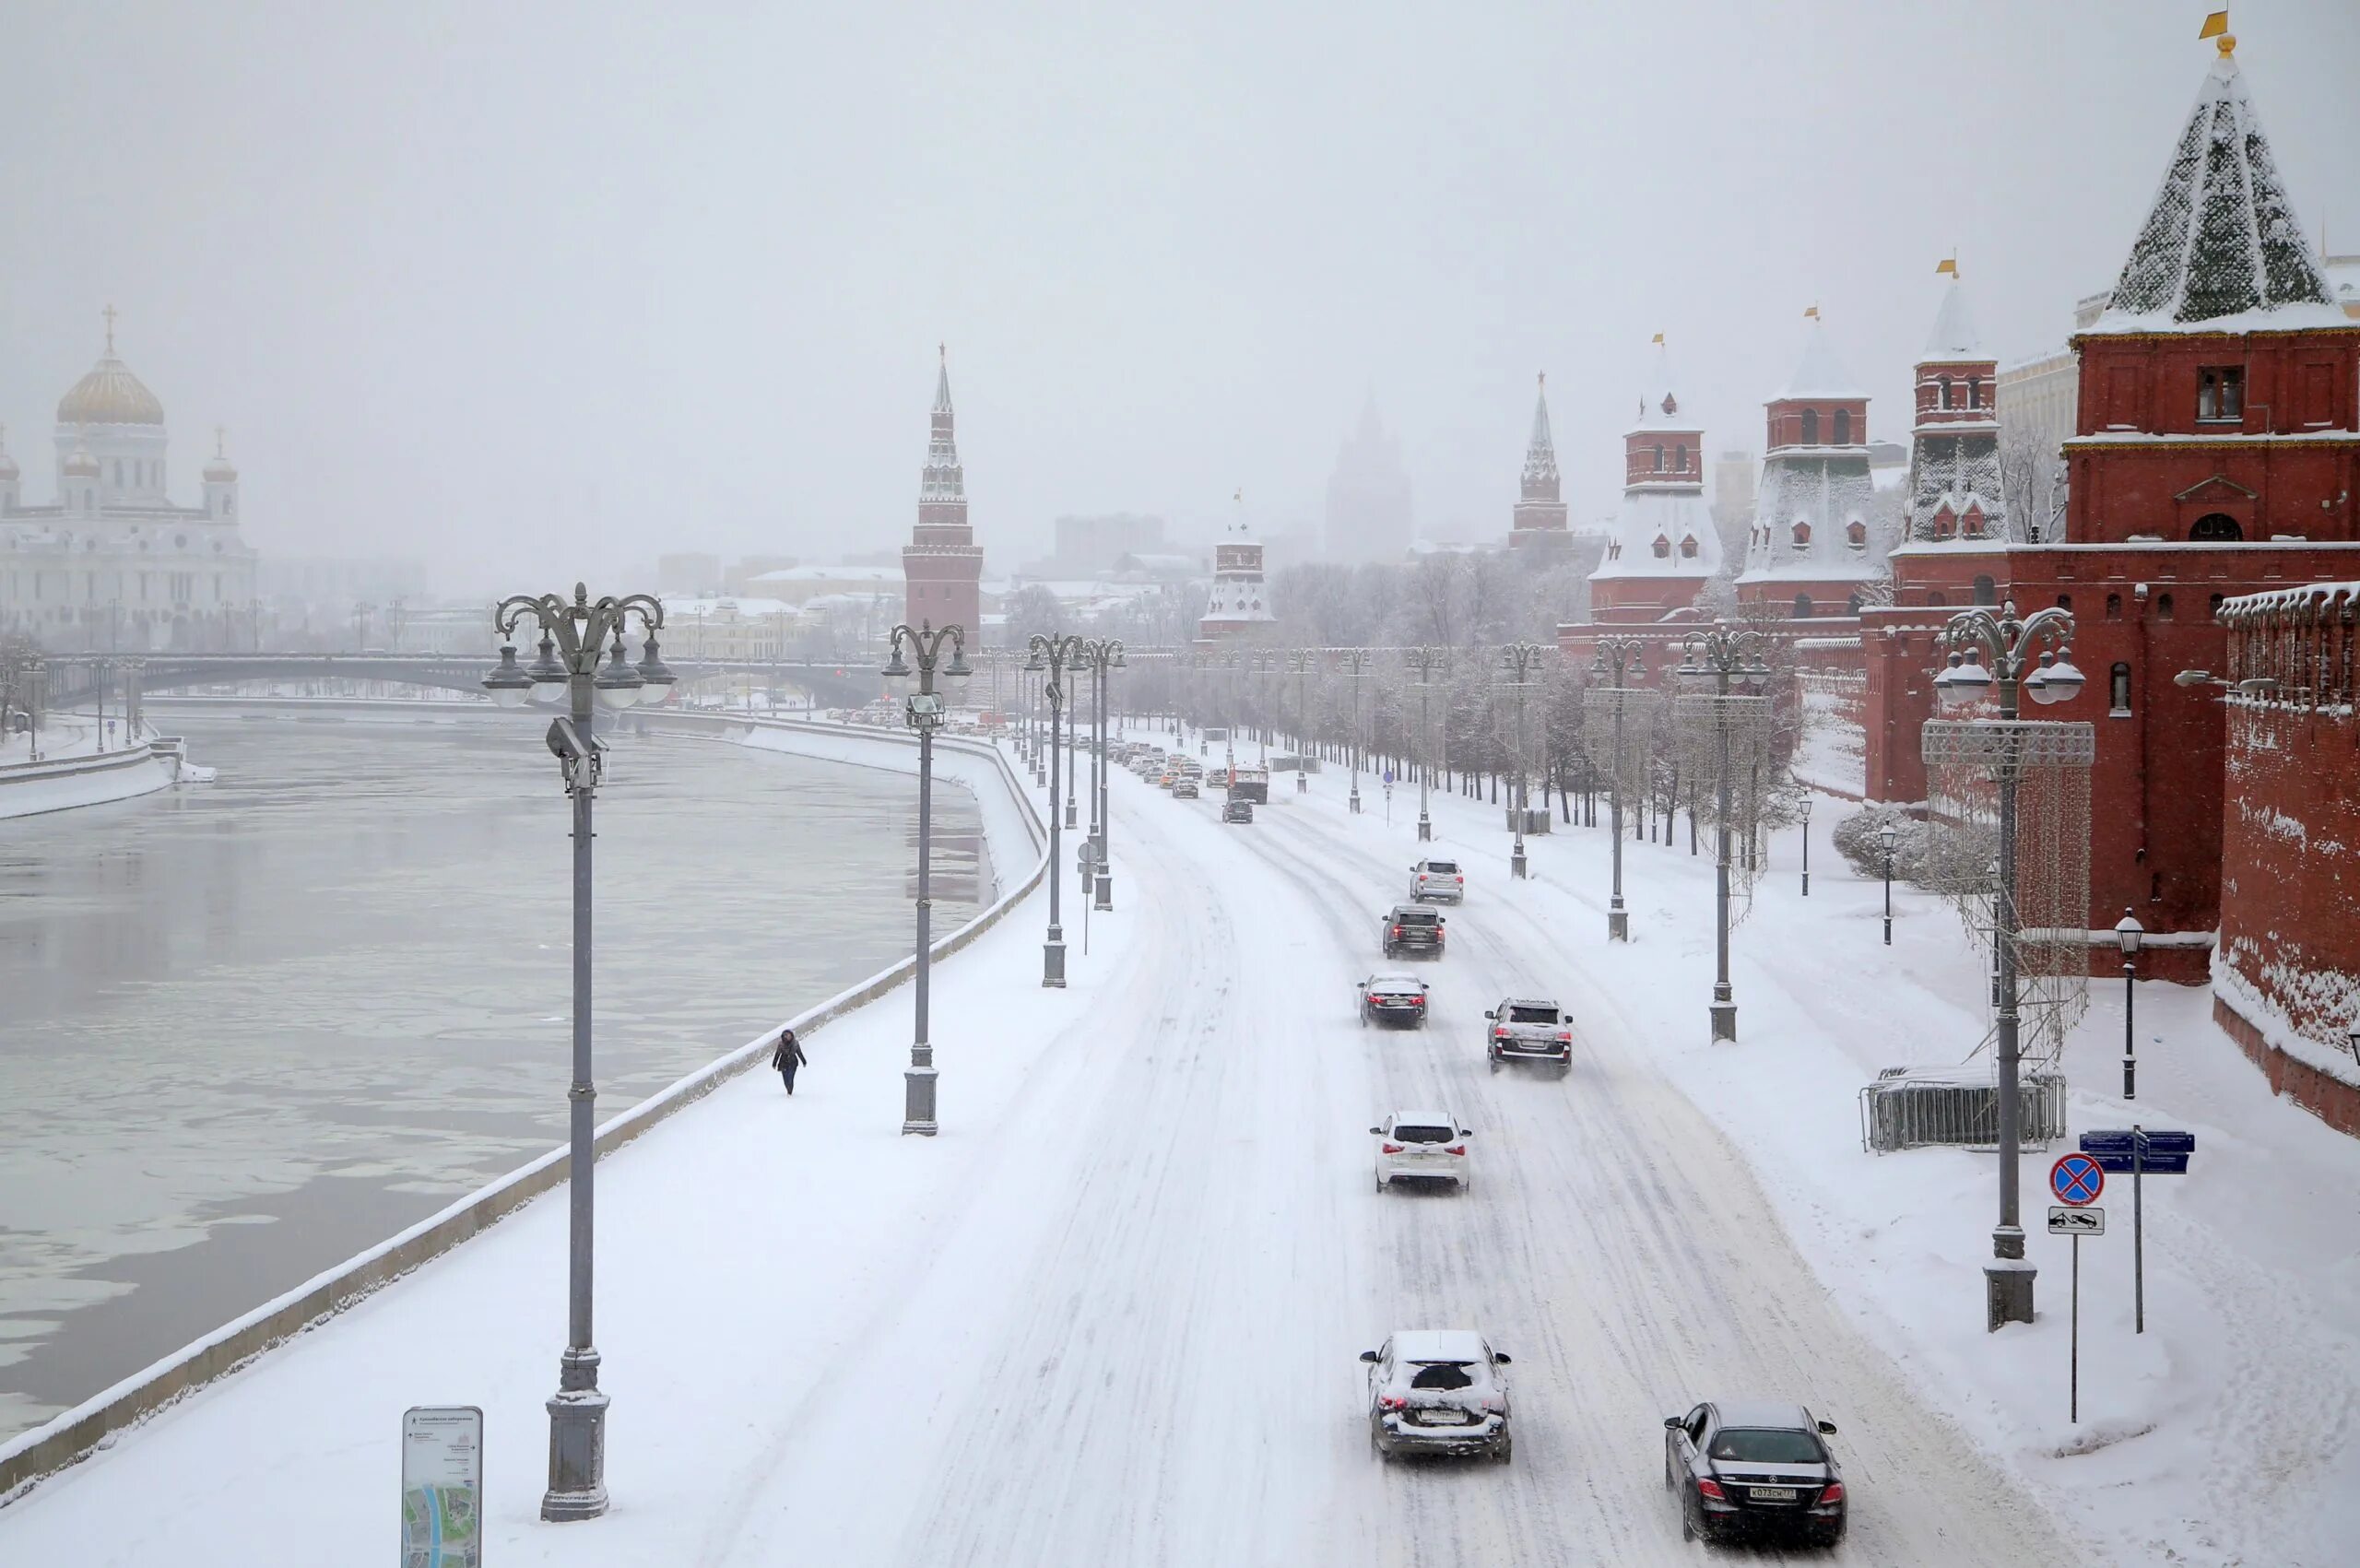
(2065, 1221)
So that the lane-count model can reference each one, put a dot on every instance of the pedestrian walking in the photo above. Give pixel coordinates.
(787, 1058)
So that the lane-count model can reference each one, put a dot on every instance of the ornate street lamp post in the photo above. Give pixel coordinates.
(923, 712)
(36, 689)
(1356, 670)
(582, 648)
(1104, 657)
(1052, 656)
(1300, 660)
(1722, 655)
(1625, 659)
(2007, 646)
(2128, 934)
(1806, 809)
(1425, 661)
(1889, 839)
(1520, 660)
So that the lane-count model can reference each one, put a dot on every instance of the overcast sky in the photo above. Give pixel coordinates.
(534, 290)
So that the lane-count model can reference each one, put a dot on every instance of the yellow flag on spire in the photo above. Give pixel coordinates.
(1947, 264)
(1812, 314)
(2216, 25)
(1656, 340)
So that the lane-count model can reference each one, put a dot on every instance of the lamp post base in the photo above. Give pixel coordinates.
(1426, 828)
(1806, 884)
(1354, 805)
(2007, 1290)
(917, 1100)
(1073, 812)
(1724, 1022)
(1053, 960)
(1888, 930)
(577, 1441)
(1040, 776)
(1617, 923)
(1516, 865)
(1104, 898)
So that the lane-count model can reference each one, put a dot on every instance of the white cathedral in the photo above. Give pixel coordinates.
(113, 565)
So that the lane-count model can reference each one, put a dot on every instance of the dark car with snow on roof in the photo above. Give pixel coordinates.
(1412, 928)
(1395, 999)
(1438, 1391)
(1753, 1469)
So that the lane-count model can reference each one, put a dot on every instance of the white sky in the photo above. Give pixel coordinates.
(543, 289)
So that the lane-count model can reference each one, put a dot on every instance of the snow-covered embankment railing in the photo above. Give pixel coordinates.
(1016, 840)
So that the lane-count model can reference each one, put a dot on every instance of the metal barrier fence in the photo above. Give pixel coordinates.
(1915, 1108)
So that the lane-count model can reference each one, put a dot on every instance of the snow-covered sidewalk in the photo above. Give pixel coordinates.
(2228, 1433)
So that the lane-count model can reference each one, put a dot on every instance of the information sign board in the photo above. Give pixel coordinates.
(442, 1486)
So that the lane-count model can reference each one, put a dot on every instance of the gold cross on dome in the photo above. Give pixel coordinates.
(109, 313)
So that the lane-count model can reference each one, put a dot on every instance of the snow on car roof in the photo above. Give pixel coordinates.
(1437, 1345)
(1533, 1002)
(1396, 982)
(1423, 1119)
(1764, 1413)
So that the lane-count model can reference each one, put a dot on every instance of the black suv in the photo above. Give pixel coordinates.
(1412, 928)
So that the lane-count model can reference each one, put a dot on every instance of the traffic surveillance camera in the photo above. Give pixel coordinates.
(568, 745)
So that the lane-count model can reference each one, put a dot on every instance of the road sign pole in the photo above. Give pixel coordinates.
(2073, 1378)
(2138, 1233)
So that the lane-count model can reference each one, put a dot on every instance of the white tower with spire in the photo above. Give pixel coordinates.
(1814, 550)
(1239, 604)
(1539, 522)
(1663, 548)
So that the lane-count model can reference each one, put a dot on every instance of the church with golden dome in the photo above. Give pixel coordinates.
(112, 564)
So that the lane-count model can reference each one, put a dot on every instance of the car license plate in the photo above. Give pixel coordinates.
(1771, 1493)
(1441, 1418)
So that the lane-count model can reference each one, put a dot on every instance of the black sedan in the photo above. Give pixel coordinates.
(1392, 999)
(1753, 1469)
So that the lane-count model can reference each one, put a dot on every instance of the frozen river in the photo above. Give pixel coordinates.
(250, 1029)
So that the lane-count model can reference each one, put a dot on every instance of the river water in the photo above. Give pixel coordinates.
(249, 1029)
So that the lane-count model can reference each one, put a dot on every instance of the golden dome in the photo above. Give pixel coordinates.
(110, 395)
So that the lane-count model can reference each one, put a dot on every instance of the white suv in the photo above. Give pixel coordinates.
(1421, 1146)
(1529, 1028)
(1438, 881)
(1438, 1391)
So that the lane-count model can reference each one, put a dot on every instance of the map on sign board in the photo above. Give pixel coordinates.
(442, 1487)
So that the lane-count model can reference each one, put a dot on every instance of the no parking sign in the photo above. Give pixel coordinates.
(2077, 1180)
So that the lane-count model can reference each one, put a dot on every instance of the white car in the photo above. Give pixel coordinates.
(1421, 1146)
(1529, 1028)
(1438, 881)
(1438, 1391)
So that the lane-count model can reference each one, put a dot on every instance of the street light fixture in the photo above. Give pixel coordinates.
(1104, 657)
(1424, 660)
(1520, 660)
(2005, 645)
(577, 1488)
(1805, 808)
(923, 712)
(1722, 655)
(2128, 934)
(1301, 661)
(1889, 836)
(1355, 671)
(1625, 659)
(1051, 655)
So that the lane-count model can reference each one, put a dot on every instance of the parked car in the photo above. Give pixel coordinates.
(1753, 1469)
(1438, 881)
(1185, 789)
(1421, 1146)
(1527, 1028)
(1438, 1391)
(1412, 928)
(1236, 811)
(1393, 999)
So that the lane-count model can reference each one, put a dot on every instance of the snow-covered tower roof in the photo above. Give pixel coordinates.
(1539, 516)
(1955, 492)
(944, 479)
(1663, 547)
(1239, 603)
(1814, 546)
(2220, 249)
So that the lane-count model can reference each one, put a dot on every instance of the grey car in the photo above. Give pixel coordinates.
(1753, 1469)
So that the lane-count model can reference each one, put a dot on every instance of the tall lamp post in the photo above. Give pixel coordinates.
(1355, 671)
(582, 648)
(1299, 660)
(1104, 657)
(1425, 661)
(1889, 839)
(1806, 847)
(1520, 660)
(2127, 935)
(923, 711)
(36, 690)
(2008, 647)
(1624, 658)
(1723, 655)
(1052, 655)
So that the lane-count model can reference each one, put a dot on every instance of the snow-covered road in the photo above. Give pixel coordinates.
(1112, 1316)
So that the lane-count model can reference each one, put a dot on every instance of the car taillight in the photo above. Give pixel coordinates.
(1396, 930)
(1834, 1493)
(1392, 1149)
(1566, 1035)
(1707, 1487)
(1458, 879)
(1391, 1402)
(1456, 1149)
(1499, 1033)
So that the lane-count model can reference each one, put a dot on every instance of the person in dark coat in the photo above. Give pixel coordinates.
(787, 1058)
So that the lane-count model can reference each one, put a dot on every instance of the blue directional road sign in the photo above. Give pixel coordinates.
(2166, 1153)
(2077, 1179)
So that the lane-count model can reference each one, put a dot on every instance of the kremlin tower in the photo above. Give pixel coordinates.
(1663, 548)
(1812, 551)
(1540, 517)
(942, 567)
(1955, 492)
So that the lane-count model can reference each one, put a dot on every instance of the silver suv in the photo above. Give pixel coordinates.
(1438, 1391)
(1527, 1029)
(1438, 881)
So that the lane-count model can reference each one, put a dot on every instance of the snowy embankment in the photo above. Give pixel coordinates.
(72, 773)
(1111, 1315)
(2226, 1434)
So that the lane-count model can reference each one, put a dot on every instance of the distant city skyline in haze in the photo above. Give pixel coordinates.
(535, 292)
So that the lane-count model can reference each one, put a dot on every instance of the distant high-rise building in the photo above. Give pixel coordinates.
(1094, 544)
(942, 565)
(1368, 496)
(1733, 499)
(1538, 520)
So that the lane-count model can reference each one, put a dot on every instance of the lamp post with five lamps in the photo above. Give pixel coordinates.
(582, 647)
(1052, 655)
(1520, 660)
(1722, 655)
(923, 711)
